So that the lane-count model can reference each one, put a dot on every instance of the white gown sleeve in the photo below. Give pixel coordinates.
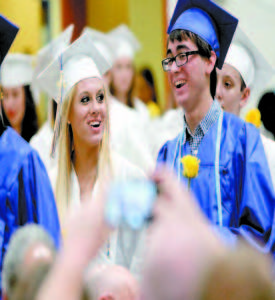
(128, 136)
(269, 147)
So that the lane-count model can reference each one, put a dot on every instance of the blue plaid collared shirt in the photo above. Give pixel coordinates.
(195, 139)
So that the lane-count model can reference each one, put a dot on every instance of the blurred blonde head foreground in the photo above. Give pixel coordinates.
(241, 273)
(31, 252)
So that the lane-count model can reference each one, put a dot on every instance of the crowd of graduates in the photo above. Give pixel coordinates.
(113, 199)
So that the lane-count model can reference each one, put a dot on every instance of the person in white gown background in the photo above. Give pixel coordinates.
(125, 47)
(18, 109)
(244, 72)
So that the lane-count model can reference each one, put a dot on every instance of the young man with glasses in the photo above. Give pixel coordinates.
(233, 186)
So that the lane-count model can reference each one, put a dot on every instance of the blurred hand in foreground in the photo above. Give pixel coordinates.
(86, 232)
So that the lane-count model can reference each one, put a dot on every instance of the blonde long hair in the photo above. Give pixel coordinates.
(63, 191)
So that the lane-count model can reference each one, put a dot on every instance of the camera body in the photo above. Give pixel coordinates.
(130, 202)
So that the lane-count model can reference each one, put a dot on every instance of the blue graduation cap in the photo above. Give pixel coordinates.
(209, 21)
(8, 32)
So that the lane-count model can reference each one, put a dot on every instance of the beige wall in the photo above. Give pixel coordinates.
(146, 20)
(55, 17)
(106, 14)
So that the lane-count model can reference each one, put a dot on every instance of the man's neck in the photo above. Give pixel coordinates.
(196, 114)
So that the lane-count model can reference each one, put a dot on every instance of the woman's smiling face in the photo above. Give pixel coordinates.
(88, 112)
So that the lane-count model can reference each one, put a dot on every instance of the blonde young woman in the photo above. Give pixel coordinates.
(85, 162)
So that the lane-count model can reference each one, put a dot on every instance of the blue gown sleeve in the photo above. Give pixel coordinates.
(29, 199)
(162, 155)
(39, 197)
(253, 215)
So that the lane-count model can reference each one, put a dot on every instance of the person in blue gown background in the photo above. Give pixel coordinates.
(233, 186)
(25, 191)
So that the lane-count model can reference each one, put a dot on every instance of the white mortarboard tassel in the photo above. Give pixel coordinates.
(249, 62)
(17, 70)
(103, 42)
(125, 43)
(81, 60)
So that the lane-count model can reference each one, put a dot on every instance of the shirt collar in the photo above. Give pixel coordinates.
(210, 118)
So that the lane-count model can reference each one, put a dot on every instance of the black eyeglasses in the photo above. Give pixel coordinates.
(180, 59)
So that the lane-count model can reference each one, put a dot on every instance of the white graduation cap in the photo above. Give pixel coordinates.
(45, 56)
(248, 61)
(125, 42)
(48, 53)
(79, 61)
(103, 42)
(17, 70)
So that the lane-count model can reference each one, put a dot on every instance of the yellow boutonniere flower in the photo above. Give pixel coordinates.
(191, 165)
(254, 117)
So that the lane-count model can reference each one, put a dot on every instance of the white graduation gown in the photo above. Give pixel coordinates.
(128, 135)
(141, 108)
(125, 246)
(269, 147)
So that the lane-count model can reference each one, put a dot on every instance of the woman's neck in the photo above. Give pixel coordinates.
(122, 97)
(86, 165)
(18, 129)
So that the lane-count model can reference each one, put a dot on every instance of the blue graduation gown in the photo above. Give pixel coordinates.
(247, 194)
(25, 191)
